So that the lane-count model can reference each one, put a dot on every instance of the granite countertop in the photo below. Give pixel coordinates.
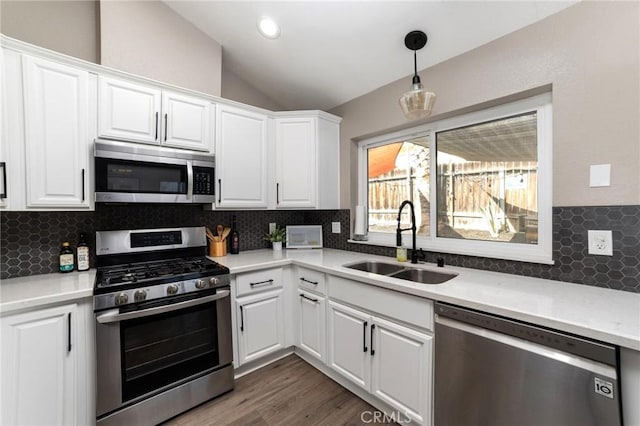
(608, 315)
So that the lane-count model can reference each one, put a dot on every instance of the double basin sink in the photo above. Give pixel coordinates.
(423, 276)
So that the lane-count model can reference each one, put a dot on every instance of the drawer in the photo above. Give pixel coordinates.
(253, 282)
(411, 309)
(311, 280)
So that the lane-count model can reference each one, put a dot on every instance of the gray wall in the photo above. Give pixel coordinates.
(235, 88)
(147, 38)
(70, 27)
(589, 53)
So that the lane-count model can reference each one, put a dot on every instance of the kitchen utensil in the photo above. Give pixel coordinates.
(210, 235)
(219, 229)
(225, 233)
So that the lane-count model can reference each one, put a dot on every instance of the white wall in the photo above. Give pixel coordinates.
(588, 53)
(235, 88)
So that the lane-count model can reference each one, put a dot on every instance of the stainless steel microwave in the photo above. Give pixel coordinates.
(132, 173)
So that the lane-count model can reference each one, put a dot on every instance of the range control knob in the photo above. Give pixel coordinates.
(213, 281)
(200, 284)
(172, 289)
(121, 299)
(139, 295)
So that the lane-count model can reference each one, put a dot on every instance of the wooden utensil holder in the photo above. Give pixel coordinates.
(217, 248)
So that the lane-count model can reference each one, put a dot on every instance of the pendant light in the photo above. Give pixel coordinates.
(417, 102)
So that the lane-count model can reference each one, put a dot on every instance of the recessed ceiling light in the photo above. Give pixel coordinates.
(268, 28)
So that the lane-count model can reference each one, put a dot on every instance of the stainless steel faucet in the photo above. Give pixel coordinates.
(414, 252)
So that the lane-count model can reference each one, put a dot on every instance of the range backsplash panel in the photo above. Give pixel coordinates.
(30, 241)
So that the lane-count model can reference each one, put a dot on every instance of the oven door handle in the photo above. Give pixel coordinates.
(115, 316)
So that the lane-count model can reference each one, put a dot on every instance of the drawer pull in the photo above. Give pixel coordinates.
(309, 298)
(310, 282)
(261, 283)
(364, 336)
(373, 352)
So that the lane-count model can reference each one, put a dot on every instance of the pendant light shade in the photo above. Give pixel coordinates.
(417, 102)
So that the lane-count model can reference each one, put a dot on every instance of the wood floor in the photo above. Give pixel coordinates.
(288, 392)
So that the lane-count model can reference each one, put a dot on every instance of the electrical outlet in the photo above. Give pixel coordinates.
(600, 243)
(335, 227)
(272, 227)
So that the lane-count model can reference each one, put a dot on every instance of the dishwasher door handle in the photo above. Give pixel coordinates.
(556, 355)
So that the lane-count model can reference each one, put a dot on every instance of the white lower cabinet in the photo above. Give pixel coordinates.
(46, 372)
(260, 323)
(389, 360)
(311, 324)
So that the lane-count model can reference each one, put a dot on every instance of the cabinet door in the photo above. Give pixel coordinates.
(260, 325)
(186, 121)
(39, 367)
(56, 134)
(402, 369)
(296, 162)
(311, 324)
(241, 149)
(128, 111)
(348, 343)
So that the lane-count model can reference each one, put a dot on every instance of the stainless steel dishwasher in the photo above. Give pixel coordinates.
(495, 371)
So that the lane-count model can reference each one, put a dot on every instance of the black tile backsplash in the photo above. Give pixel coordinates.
(29, 241)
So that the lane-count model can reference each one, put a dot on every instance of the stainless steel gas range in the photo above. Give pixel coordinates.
(163, 325)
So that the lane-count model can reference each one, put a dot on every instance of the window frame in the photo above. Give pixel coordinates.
(542, 252)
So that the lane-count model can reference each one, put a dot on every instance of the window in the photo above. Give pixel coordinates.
(480, 183)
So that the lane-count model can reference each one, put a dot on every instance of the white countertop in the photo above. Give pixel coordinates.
(608, 315)
(39, 290)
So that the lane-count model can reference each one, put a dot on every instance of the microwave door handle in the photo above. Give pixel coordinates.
(189, 180)
(114, 316)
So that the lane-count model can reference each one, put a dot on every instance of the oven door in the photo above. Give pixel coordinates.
(147, 351)
(134, 178)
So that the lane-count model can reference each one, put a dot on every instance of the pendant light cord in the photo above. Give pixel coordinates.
(416, 77)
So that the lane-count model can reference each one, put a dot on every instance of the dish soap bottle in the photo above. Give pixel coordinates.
(66, 257)
(82, 253)
(401, 254)
(234, 239)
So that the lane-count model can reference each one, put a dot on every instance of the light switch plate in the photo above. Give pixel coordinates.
(600, 175)
(335, 227)
(600, 243)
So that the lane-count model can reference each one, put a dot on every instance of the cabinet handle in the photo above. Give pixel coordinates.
(364, 336)
(4, 179)
(83, 185)
(277, 193)
(241, 320)
(156, 125)
(219, 191)
(261, 283)
(310, 282)
(309, 298)
(373, 352)
(69, 331)
(165, 127)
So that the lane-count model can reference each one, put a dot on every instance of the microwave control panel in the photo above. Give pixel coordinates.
(203, 181)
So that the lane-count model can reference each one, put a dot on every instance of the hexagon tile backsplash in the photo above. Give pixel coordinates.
(29, 241)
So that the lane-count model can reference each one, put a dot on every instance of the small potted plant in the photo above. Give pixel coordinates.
(276, 237)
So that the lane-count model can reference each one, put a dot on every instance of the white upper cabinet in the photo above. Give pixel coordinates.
(128, 111)
(241, 158)
(137, 113)
(187, 122)
(57, 137)
(307, 166)
(295, 162)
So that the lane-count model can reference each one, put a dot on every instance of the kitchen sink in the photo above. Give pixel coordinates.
(380, 268)
(423, 276)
